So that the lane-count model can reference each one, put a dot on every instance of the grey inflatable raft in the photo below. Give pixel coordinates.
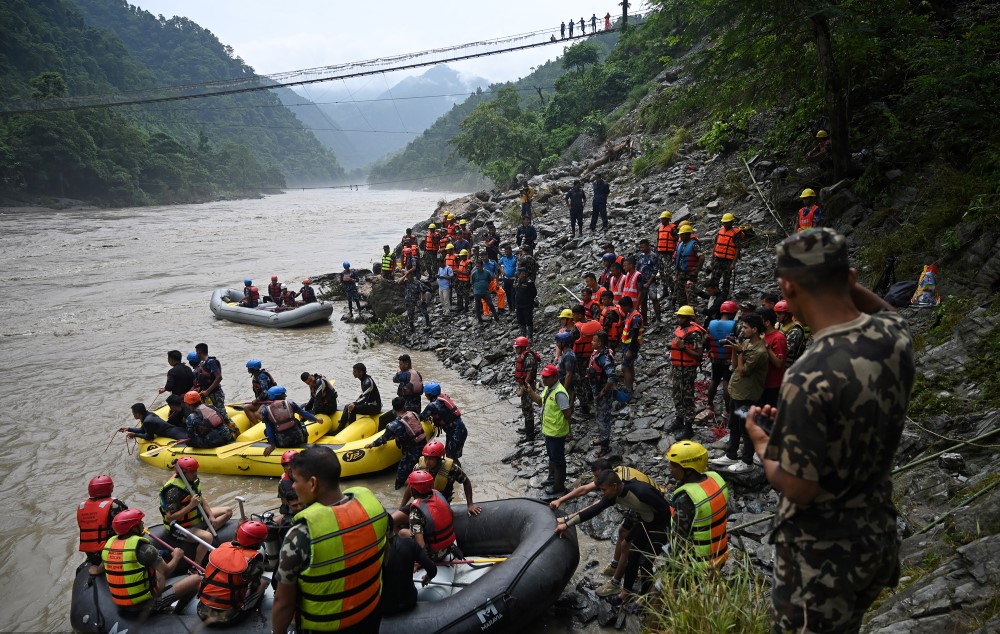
(225, 305)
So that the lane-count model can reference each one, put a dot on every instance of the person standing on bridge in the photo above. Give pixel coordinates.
(562, 31)
(593, 23)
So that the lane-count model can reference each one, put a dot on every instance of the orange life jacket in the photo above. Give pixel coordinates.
(464, 272)
(614, 330)
(520, 374)
(225, 584)
(439, 533)
(725, 244)
(584, 344)
(94, 519)
(666, 239)
(679, 355)
(451, 260)
(631, 285)
(431, 241)
(807, 217)
(627, 330)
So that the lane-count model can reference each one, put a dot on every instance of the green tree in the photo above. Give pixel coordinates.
(581, 55)
(48, 86)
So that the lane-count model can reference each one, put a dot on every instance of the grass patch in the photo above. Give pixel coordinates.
(662, 154)
(389, 330)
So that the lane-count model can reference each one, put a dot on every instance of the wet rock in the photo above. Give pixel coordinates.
(952, 462)
(643, 435)
(605, 525)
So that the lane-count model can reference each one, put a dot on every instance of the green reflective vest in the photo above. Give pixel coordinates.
(554, 421)
(130, 582)
(711, 513)
(193, 516)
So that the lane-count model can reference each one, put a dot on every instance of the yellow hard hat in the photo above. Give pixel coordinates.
(808, 193)
(432, 226)
(464, 252)
(566, 314)
(728, 218)
(822, 134)
(450, 246)
(667, 215)
(685, 229)
(685, 311)
(689, 455)
(462, 222)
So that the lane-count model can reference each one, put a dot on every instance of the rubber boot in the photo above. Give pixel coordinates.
(550, 480)
(558, 485)
(688, 432)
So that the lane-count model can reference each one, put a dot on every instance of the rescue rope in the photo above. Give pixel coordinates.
(948, 438)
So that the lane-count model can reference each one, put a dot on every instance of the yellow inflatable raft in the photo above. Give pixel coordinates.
(246, 456)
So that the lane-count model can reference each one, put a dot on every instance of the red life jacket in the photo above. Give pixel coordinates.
(253, 295)
(593, 307)
(614, 330)
(202, 376)
(209, 414)
(686, 258)
(807, 217)
(604, 281)
(439, 532)
(225, 584)
(617, 287)
(679, 355)
(282, 415)
(409, 241)
(631, 285)
(594, 369)
(431, 242)
(520, 374)
(93, 516)
(411, 425)
(725, 244)
(450, 404)
(627, 330)
(584, 344)
(666, 240)
(274, 291)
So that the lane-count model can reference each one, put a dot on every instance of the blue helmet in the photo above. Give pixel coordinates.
(432, 389)
(564, 337)
(254, 364)
(347, 265)
(608, 257)
(193, 357)
(275, 392)
(247, 282)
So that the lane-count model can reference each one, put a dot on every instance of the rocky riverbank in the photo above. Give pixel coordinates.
(945, 582)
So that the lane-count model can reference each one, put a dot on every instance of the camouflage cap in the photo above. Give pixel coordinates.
(813, 247)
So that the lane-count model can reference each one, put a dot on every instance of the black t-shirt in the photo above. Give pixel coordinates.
(180, 379)
(398, 592)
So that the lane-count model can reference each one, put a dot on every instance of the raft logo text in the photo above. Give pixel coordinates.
(488, 616)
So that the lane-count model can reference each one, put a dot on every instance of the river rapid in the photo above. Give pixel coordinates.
(94, 301)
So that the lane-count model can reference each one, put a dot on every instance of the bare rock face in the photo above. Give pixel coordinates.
(386, 298)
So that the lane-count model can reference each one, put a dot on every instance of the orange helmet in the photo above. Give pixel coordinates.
(192, 397)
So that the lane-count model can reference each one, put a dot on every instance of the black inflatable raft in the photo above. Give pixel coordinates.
(512, 595)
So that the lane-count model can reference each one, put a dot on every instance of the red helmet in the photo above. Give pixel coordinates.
(187, 463)
(522, 341)
(288, 455)
(434, 449)
(127, 520)
(729, 307)
(307, 281)
(254, 289)
(781, 307)
(274, 278)
(192, 397)
(100, 486)
(251, 534)
(421, 482)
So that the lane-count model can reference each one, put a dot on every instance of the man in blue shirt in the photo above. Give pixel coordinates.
(445, 276)
(508, 268)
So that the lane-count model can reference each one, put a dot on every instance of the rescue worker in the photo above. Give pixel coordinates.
(576, 198)
(208, 381)
(700, 508)
(260, 382)
(447, 417)
(604, 280)
(810, 215)
(281, 427)
(557, 407)
(287, 299)
(648, 265)
(612, 319)
(601, 374)
(322, 395)
(431, 245)
(410, 262)
(590, 304)
(369, 403)
(491, 241)
(631, 281)
(649, 534)
(508, 271)
(180, 378)
(94, 517)
(525, 293)
(462, 240)
(151, 426)
(286, 492)
(525, 367)
(616, 282)
(527, 194)
(411, 385)
(329, 575)
(686, 350)
(408, 433)
(666, 244)
(632, 332)
(583, 346)
(432, 523)
(750, 364)
(404, 555)
(205, 428)
(135, 572)
(823, 152)
(251, 295)
(719, 333)
(408, 239)
(566, 363)
(795, 334)
(450, 257)
(190, 511)
(526, 235)
(688, 260)
(413, 299)
(726, 252)
(463, 281)
(274, 290)
(234, 585)
(599, 204)
(388, 263)
(308, 295)
(447, 473)
(178, 412)
(349, 280)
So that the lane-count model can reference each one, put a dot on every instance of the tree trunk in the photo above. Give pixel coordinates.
(833, 92)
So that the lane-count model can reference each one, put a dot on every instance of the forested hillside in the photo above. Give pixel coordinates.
(175, 152)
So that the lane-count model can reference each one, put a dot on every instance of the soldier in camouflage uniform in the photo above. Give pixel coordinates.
(836, 428)
(685, 359)
(528, 262)
(413, 298)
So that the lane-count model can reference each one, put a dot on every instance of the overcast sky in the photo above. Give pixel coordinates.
(273, 36)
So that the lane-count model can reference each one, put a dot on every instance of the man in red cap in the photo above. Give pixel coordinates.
(556, 405)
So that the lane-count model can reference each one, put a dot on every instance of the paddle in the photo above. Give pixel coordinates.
(454, 584)
(170, 445)
(485, 560)
(201, 507)
(228, 450)
(171, 548)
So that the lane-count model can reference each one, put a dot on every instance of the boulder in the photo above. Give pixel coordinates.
(386, 298)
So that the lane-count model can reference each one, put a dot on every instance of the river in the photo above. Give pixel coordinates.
(101, 296)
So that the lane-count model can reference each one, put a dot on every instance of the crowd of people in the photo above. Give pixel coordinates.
(279, 297)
